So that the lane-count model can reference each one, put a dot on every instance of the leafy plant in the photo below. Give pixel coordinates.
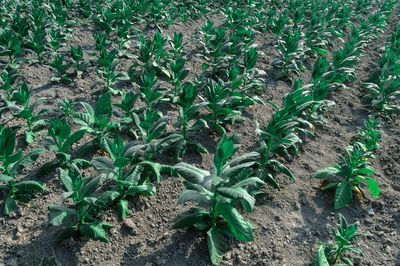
(354, 170)
(12, 162)
(60, 66)
(282, 135)
(96, 121)
(60, 141)
(80, 66)
(218, 193)
(24, 109)
(82, 216)
(130, 173)
(337, 252)
(292, 52)
(189, 111)
(108, 61)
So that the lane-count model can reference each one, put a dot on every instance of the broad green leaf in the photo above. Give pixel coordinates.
(225, 149)
(193, 196)
(343, 195)
(103, 165)
(94, 231)
(60, 215)
(239, 227)
(74, 138)
(154, 167)
(190, 218)
(320, 258)
(10, 205)
(238, 194)
(29, 186)
(252, 182)
(66, 179)
(26, 161)
(103, 108)
(216, 245)
(191, 173)
(122, 207)
(325, 173)
(372, 186)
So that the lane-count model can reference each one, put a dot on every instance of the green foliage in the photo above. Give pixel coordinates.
(337, 252)
(108, 63)
(130, 172)
(217, 194)
(60, 66)
(96, 121)
(189, 122)
(12, 162)
(78, 63)
(22, 108)
(82, 216)
(354, 170)
(292, 52)
(60, 141)
(384, 86)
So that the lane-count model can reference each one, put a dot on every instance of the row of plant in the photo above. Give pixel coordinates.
(356, 167)
(383, 87)
(283, 137)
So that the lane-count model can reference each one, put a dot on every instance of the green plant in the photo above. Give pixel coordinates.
(37, 43)
(354, 170)
(96, 121)
(24, 109)
(337, 252)
(60, 141)
(7, 81)
(130, 173)
(282, 135)
(11, 47)
(218, 193)
(61, 67)
(152, 56)
(80, 66)
(292, 52)
(82, 216)
(189, 111)
(108, 62)
(151, 131)
(12, 162)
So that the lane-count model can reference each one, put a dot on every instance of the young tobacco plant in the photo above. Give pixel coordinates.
(12, 162)
(218, 193)
(78, 63)
(189, 111)
(354, 170)
(95, 121)
(81, 213)
(60, 67)
(130, 173)
(282, 135)
(226, 101)
(337, 252)
(292, 52)
(23, 108)
(60, 141)
(10, 46)
(108, 71)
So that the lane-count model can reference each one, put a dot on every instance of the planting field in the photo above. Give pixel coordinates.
(160, 132)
